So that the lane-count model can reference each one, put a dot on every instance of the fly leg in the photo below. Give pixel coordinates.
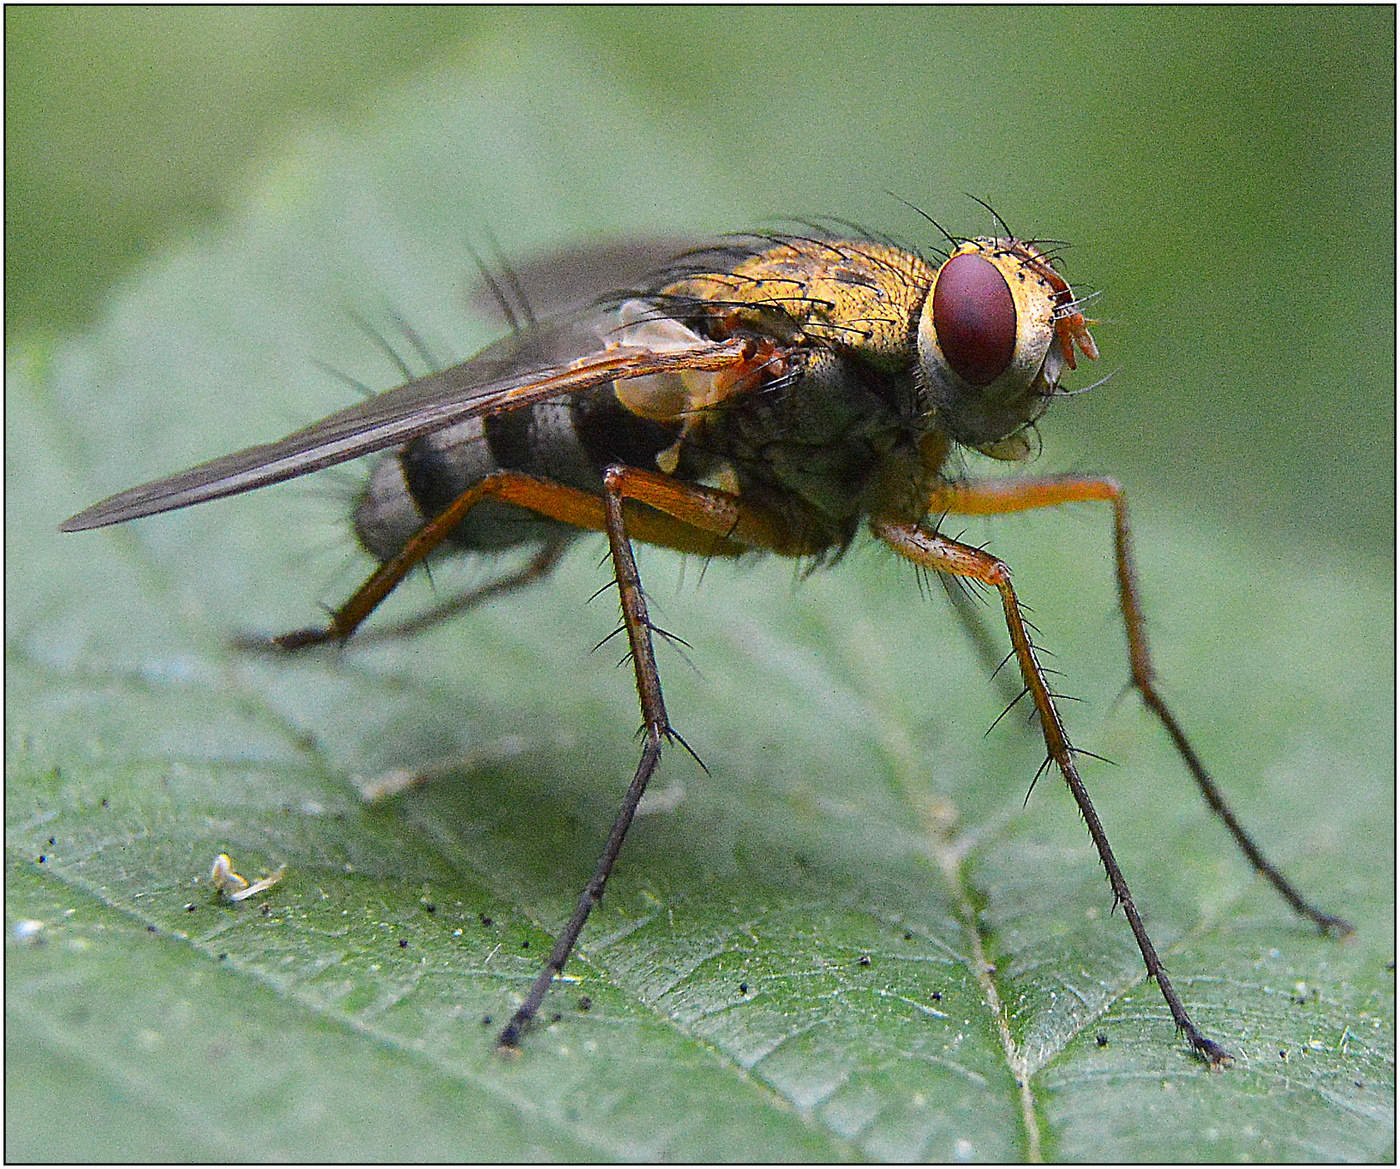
(568, 505)
(941, 554)
(655, 727)
(703, 513)
(1010, 495)
(540, 565)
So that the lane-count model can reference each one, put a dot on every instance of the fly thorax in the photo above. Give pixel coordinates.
(823, 436)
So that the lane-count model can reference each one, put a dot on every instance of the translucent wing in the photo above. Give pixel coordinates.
(531, 367)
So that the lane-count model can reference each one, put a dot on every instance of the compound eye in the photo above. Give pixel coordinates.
(975, 318)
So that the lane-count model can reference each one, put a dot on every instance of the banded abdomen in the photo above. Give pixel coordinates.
(570, 441)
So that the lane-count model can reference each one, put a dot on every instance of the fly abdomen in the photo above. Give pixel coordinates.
(569, 441)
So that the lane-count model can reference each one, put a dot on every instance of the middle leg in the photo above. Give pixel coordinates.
(702, 511)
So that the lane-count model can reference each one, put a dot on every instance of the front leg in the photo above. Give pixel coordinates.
(941, 554)
(999, 496)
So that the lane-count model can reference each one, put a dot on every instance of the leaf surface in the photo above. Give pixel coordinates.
(849, 940)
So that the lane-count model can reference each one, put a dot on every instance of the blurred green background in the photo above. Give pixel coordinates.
(198, 196)
(1226, 177)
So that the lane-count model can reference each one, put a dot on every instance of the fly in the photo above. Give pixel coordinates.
(773, 393)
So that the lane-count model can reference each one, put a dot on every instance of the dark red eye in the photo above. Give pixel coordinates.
(975, 318)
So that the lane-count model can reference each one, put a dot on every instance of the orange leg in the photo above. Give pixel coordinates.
(942, 554)
(1010, 495)
(688, 519)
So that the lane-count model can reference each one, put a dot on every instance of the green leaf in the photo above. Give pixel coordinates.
(849, 939)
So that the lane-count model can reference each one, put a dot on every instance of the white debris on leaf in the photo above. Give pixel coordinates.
(233, 887)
